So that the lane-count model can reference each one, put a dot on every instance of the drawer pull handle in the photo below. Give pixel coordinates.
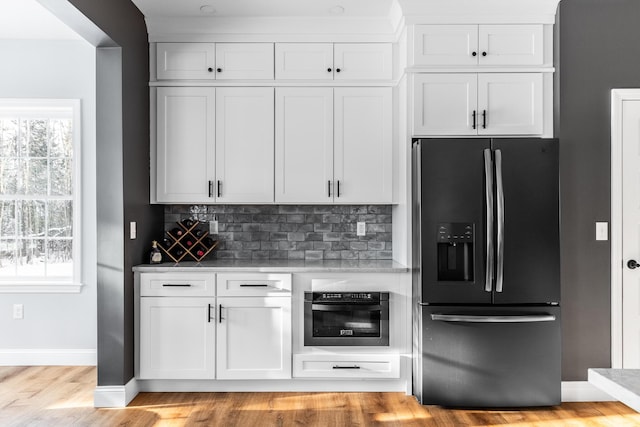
(209, 314)
(177, 285)
(346, 367)
(254, 285)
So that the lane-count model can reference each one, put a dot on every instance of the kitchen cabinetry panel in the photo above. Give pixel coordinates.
(185, 144)
(254, 338)
(185, 61)
(177, 284)
(446, 44)
(362, 145)
(510, 45)
(346, 366)
(253, 284)
(177, 338)
(244, 145)
(362, 61)
(304, 61)
(304, 145)
(244, 61)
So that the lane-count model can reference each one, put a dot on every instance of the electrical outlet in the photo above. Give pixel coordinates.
(213, 227)
(18, 311)
(361, 229)
(133, 230)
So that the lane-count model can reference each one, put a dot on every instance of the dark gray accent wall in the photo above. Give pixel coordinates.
(307, 232)
(122, 178)
(599, 51)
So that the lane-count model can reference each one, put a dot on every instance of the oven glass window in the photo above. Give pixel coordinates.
(347, 322)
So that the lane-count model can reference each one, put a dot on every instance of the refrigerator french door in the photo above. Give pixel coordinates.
(486, 272)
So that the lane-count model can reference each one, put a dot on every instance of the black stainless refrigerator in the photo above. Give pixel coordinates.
(486, 272)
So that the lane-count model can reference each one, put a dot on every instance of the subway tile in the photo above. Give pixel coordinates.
(313, 255)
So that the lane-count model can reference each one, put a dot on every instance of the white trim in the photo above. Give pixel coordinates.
(48, 357)
(41, 288)
(115, 396)
(583, 391)
(618, 96)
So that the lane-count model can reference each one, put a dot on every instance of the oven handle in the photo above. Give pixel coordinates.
(343, 307)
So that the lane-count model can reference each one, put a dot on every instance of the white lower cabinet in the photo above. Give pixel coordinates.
(254, 338)
(346, 366)
(177, 338)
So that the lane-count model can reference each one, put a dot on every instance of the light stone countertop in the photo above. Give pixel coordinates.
(279, 266)
(622, 384)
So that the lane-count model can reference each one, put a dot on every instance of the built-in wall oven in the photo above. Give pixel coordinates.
(346, 318)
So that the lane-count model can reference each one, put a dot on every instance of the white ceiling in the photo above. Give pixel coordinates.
(265, 8)
(27, 19)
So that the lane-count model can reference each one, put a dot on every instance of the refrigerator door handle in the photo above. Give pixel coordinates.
(488, 171)
(500, 222)
(463, 318)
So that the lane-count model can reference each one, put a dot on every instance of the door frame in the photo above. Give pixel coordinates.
(618, 96)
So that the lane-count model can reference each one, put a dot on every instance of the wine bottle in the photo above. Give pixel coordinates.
(188, 242)
(208, 242)
(188, 223)
(166, 243)
(200, 251)
(176, 232)
(155, 257)
(178, 252)
(198, 233)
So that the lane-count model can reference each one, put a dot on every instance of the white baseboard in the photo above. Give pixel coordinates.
(583, 391)
(115, 396)
(48, 357)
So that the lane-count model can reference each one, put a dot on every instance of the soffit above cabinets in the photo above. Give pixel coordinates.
(324, 20)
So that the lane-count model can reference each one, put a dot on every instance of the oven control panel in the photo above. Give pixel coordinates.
(347, 297)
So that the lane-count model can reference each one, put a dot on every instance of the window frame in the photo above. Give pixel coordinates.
(53, 107)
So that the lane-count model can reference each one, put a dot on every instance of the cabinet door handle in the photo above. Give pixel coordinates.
(177, 285)
(474, 119)
(210, 188)
(474, 53)
(219, 313)
(209, 314)
(329, 188)
(338, 70)
(219, 188)
(484, 53)
(328, 70)
(338, 189)
(219, 70)
(484, 119)
(346, 367)
(210, 69)
(254, 285)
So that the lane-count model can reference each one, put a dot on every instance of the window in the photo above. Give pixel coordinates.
(39, 206)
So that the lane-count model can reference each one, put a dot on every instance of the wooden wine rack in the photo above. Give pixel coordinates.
(180, 242)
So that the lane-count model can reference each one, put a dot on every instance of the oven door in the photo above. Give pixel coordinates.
(346, 324)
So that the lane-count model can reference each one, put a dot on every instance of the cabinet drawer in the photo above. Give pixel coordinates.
(177, 284)
(253, 284)
(346, 366)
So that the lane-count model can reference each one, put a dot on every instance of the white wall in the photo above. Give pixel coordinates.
(57, 328)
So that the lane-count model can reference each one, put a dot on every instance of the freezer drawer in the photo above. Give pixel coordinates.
(490, 357)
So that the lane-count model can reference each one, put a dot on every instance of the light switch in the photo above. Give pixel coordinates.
(361, 229)
(133, 231)
(602, 231)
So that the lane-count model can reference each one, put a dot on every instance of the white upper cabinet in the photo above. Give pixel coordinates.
(469, 45)
(244, 61)
(185, 151)
(340, 61)
(363, 145)
(244, 145)
(304, 145)
(214, 61)
(304, 61)
(362, 61)
(185, 61)
(478, 104)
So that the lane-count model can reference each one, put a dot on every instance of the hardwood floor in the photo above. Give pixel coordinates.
(63, 396)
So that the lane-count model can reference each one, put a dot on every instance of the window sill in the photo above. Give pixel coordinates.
(40, 288)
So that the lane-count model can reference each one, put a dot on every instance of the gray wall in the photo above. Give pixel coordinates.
(122, 176)
(599, 50)
(57, 321)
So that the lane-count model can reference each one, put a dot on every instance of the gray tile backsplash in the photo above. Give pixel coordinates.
(308, 232)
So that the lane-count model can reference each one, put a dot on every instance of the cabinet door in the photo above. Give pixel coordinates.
(304, 61)
(185, 61)
(362, 61)
(254, 338)
(445, 45)
(244, 61)
(445, 104)
(510, 45)
(512, 103)
(363, 145)
(304, 145)
(185, 144)
(244, 145)
(177, 338)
